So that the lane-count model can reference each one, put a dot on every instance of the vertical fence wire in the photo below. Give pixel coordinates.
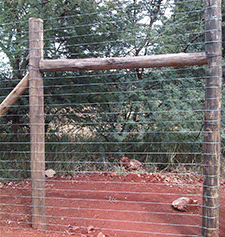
(154, 117)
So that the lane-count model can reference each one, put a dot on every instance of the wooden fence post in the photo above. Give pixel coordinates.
(213, 97)
(37, 136)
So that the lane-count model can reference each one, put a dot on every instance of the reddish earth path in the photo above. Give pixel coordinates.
(135, 205)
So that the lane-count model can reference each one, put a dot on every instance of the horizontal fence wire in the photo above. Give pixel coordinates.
(153, 117)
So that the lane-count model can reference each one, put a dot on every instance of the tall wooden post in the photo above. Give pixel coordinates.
(213, 47)
(37, 136)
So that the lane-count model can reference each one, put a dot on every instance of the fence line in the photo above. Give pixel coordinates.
(79, 118)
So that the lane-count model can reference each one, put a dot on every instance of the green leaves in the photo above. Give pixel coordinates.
(146, 113)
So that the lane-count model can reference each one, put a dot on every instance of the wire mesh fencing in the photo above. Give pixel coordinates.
(123, 148)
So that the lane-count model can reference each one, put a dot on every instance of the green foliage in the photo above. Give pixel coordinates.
(154, 115)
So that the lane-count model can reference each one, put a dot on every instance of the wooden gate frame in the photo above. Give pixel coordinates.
(213, 95)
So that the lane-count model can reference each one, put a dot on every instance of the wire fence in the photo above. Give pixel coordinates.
(121, 145)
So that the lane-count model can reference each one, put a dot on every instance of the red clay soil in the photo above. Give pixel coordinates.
(106, 204)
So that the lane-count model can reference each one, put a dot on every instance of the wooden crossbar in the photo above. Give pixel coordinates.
(14, 95)
(150, 61)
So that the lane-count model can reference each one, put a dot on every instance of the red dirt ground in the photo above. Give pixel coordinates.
(135, 205)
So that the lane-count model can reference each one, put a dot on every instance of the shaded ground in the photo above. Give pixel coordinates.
(135, 205)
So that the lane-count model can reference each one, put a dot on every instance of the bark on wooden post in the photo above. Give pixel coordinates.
(37, 136)
(213, 47)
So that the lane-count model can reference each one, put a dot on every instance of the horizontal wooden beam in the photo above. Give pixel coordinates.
(150, 61)
(14, 95)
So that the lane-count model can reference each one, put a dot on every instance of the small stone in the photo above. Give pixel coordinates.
(75, 228)
(130, 164)
(114, 174)
(167, 180)
(90, 229)
(101, 235)
(50, 173)
(182, 203)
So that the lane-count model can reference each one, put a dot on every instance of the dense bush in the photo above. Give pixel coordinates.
(93, 118)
